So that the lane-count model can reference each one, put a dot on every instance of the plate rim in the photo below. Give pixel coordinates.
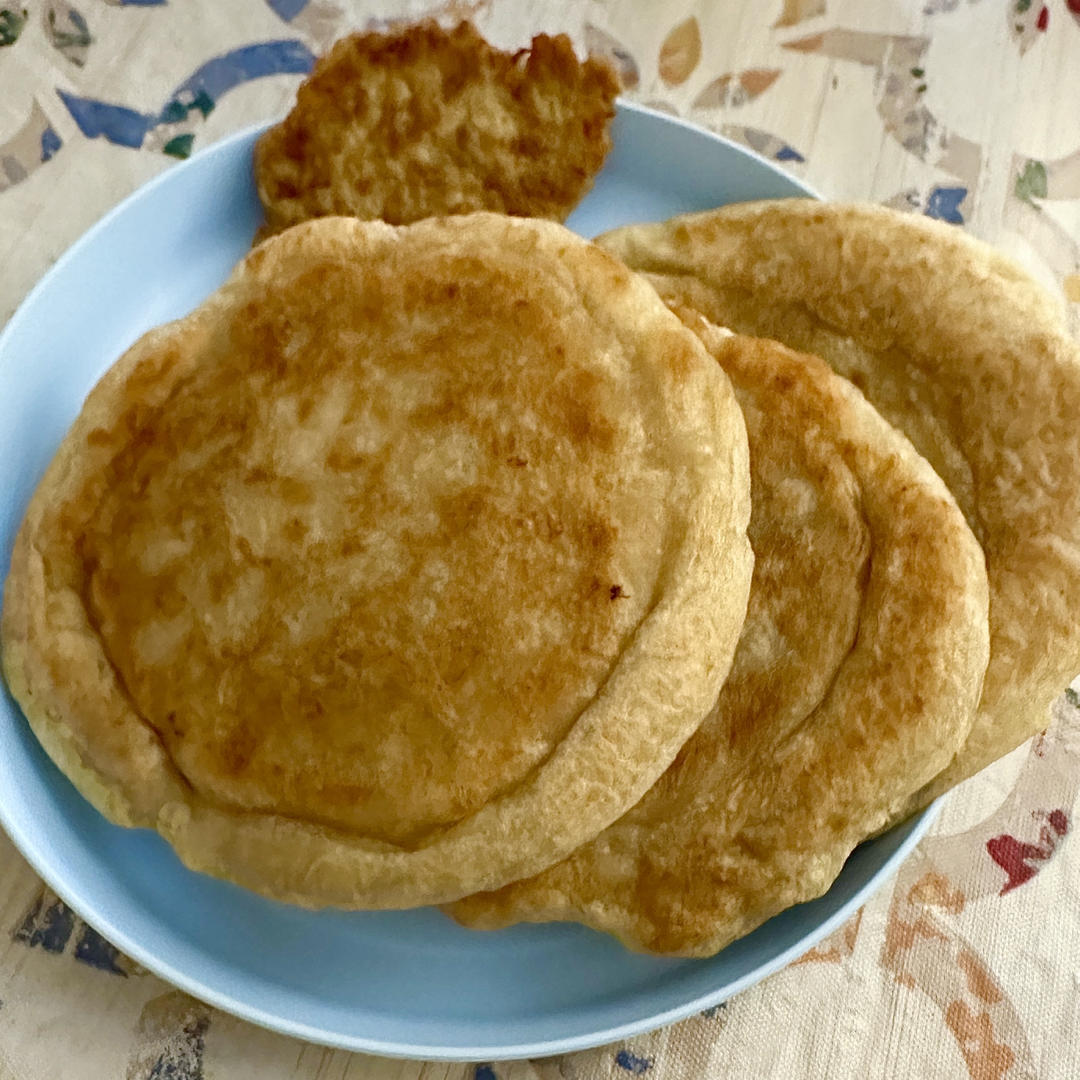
(282, 1024)
(225, 143)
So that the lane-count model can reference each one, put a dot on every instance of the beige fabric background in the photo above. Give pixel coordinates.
(968, 965)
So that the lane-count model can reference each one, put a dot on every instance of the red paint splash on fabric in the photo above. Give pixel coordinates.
(1020, 860)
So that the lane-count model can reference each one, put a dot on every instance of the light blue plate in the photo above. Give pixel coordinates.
(405, 983)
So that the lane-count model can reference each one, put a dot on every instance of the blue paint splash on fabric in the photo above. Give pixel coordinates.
(223, 73)
(50, 925)
(632, 1063)
(789, 153)
(944, 204)
(77, 20)
(99, 952)
(142, 3)
(47, 927)
(50, 143)
(201, 90)
(120, 125)
(287, 9)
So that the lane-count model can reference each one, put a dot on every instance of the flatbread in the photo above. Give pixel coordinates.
(399, 569)
(855, 680)
(959, 349)
(423, 121)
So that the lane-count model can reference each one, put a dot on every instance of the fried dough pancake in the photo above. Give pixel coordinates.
(960, 350)
(423, 121)
(400, 568)
(855, 680)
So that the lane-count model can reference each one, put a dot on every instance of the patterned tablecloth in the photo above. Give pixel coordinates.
(965, 110)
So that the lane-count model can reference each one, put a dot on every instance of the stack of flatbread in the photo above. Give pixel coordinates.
(444, 557)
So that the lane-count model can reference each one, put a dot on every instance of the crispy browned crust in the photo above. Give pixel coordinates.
(400, 568)
(856, 678)
(423, 121)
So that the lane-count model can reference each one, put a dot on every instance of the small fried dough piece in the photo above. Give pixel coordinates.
(423, 122)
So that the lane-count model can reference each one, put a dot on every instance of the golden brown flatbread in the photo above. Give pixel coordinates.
(959, 349)
(422, 121)
(398, 569)
(855, 680)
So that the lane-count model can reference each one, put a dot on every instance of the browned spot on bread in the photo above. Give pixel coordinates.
(238, 749)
